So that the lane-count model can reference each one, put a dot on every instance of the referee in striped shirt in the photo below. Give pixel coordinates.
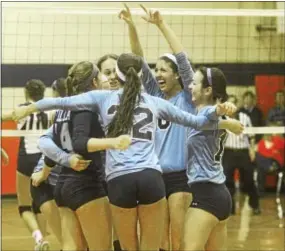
(238, 153)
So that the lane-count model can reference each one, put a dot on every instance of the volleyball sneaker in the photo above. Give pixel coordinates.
(42, 246)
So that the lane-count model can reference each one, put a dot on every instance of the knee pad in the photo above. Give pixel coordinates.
(23, 209)
(35, 208)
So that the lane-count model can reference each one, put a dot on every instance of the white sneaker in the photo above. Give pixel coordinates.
(42, 246)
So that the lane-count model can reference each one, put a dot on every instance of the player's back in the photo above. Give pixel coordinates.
(141, 153)
(63, 131)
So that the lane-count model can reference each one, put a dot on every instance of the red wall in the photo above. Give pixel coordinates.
(266, 87)
(8, 173)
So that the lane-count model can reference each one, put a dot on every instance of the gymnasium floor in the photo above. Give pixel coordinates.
(245, 232)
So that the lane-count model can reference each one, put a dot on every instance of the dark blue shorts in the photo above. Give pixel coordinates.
(175, 182)
(129, 190)
(213, 198)
(27, 163)
(41, 194)
(74, 192)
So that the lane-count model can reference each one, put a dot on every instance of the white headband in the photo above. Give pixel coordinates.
(171, 57)
(209, 76)
(122, 75)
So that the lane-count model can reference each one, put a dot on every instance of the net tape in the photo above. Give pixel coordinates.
(139, 11)
(247, 130)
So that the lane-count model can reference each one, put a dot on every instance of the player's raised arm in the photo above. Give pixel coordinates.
(126, 15)
(86, 101)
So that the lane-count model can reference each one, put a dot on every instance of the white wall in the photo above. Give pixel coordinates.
(35, 37)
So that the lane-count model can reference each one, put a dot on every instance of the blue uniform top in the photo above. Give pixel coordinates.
(171, 138)
(141, 153)
(205, 150)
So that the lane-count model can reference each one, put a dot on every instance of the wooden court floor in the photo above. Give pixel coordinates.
(245, 231)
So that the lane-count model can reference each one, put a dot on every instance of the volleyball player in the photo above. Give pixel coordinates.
(206, 218)
(135, 185)
(28, 158)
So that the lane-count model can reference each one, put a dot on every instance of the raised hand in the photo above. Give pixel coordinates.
(122, 142)
(152, 17)
(226, 108)
(77, 162)
(126, 15)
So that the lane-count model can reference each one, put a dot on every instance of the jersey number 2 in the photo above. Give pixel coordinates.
(139, 125)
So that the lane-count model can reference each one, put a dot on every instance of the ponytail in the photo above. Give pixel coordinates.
(69, 86)
(122, 122)
(80, 78)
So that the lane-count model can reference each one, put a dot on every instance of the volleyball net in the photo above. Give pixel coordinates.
(247, 44)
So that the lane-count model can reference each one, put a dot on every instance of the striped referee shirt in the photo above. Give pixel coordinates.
(36, 121)
(239, 141)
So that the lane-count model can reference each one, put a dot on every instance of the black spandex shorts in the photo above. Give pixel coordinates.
(27, 163)
(175, 182)
(41, 194)
(73, 192)
(213, 198)
(143, 187)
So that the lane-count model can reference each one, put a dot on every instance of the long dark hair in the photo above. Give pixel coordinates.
(130, 65)
(80, 78)
(216, 79)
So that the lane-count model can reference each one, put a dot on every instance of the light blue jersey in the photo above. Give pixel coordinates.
(205, 150)
(54, 173)
(171, 138)
(50, 149)
(141, 153)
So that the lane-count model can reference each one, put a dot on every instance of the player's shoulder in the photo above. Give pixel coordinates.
(206, 110)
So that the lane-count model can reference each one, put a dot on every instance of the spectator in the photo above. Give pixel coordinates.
(269, 157)
(277, 113)
(249, 107)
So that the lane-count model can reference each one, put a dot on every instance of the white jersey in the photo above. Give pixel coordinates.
(36, 121)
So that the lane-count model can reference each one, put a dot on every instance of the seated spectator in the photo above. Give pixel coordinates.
(277, 113)
(269, 157)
